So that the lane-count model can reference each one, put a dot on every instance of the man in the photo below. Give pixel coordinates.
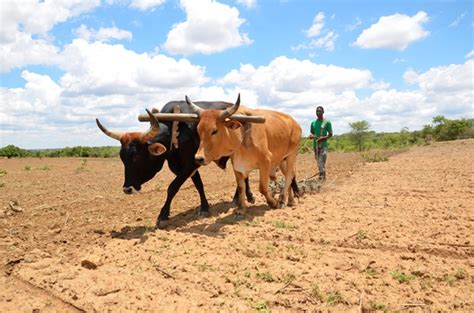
(321, 131)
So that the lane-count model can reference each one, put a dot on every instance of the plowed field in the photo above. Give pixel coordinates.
(395, 235)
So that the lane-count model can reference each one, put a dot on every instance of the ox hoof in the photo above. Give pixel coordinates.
(162, 223)
(280, 205)
(273, 204)
(238, 217)
(251, 199)
(204, 213)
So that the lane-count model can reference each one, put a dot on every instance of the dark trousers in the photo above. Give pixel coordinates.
(320, 154)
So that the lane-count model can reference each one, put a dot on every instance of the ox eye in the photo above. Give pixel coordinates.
(214, 131)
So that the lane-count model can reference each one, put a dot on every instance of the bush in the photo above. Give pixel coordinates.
(11, 151)
(375, 157)
(306, 145)
(443, 129)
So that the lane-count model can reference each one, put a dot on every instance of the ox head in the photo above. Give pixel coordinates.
(141, 155)
(214, 132)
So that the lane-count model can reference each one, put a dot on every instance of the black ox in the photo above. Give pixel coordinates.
(144, 153)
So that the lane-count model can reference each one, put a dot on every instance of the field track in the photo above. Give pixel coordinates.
(394, 235)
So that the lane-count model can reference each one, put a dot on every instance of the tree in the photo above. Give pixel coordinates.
(359, 133)
(446, 129)
(13, 151)
(404, 137)
(453, 129)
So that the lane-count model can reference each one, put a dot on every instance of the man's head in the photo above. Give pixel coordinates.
(319, 112)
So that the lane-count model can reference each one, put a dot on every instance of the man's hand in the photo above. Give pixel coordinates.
(320, 138)
(311, 136)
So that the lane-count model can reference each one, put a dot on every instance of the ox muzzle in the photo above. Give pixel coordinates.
(129, 190)
(200, 160)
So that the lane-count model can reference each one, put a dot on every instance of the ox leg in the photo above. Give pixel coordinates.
(204, 208)
(265, 170)
(173, 188)
(248, 194)
(242, 206)
(289, 176)
(294, 186)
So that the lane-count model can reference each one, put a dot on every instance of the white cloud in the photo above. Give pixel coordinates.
(398, 60)
(327, 41)
(390, 110)
(394, 32)
(458, 20)
(350, 28)
(120, 89)
(470, 54)
(26, 51)
(38, 17)
(100, 80)
(101, 68)
(393, 102)
(210, 27)
(28, 108)
(317, 40)
(318, 24)
(144, 5)
(292, 82)
(410, 76)
(380, 85)
(448, 89)
(103, 34)
(23, 35)
(248, 3)
(298, 86)
(451, 78)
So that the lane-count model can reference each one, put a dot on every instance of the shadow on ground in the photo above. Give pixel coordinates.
(206, 225)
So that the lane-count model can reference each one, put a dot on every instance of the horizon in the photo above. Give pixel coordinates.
(397, 65)
(305, 137)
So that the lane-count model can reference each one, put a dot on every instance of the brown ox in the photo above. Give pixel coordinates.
(250, 146)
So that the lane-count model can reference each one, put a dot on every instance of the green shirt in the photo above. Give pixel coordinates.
(316, 131)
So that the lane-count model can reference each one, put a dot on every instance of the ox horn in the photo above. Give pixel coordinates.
(154, 125)
(229, 111)
(193, 107)
(111, 134)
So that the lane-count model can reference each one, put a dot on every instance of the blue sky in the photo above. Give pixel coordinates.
(393, 63)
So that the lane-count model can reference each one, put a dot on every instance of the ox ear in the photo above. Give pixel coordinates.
(232, 124)
(156, 149)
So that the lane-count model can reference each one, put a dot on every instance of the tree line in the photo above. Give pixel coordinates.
(78, 151)
(360, 138)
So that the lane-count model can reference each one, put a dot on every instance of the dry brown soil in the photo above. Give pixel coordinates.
(395, 235)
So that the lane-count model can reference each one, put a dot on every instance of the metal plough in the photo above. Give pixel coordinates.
(308, 185)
